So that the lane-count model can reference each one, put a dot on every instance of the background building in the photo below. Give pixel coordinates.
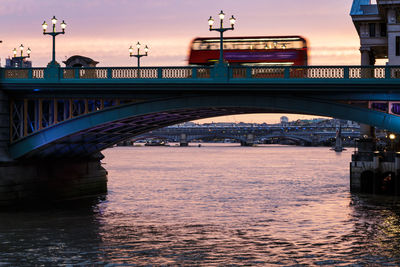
(18, 63)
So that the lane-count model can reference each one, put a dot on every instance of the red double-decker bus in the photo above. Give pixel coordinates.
(255, 51)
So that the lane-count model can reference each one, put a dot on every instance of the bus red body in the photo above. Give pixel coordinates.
(258, 50)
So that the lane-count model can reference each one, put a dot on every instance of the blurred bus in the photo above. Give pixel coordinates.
(254, 51)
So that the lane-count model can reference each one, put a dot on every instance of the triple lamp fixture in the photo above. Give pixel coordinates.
(138, 55)
(221, 15)
(54, 21)
(21, 48)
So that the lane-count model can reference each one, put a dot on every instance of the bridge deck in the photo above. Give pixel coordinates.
(307, 74)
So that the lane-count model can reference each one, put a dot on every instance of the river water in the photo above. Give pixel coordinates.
(212, 205)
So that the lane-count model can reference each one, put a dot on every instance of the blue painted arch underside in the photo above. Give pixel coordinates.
(90, 133)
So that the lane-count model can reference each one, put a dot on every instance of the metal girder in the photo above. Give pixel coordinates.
(151, 115)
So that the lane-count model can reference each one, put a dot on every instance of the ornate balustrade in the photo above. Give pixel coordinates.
(114, 73)
(206, 72)
(28, 73)
(315, 72)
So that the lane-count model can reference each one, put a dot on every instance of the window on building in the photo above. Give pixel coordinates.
(397, 15)
(372, 30)
(383, 28)
(397, 45)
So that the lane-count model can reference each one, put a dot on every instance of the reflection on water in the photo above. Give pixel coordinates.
(58, 235)
(214, 205)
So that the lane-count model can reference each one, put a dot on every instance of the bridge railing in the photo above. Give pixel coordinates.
(136, 73)
(110, 73)
(315, 72)
(204, 72)
(22, 73)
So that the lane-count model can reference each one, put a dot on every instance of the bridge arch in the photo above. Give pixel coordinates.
(190, 137)
(203, 136)
(150, 136)
(286, 137)
(90, 133)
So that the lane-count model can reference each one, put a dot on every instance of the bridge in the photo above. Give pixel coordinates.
(302, 135)
(78, 112)
(66, 116)
(56, 121)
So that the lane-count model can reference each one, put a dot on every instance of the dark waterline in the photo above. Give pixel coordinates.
(214, 205)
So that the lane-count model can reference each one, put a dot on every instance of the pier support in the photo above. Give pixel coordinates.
(249, 140)
(183, 140)
(24, 182)
(4, 127)
(374, 172)
(51, 180)
(367, 60)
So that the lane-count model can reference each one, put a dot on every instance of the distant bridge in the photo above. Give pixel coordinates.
(306, 135)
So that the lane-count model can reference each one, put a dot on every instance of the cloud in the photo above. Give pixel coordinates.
(13, 7)
(335, 55)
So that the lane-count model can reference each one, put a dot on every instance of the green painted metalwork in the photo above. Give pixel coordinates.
(221, 31)
(53, 105)
(56, 139)
(204, 74)
(53, 34)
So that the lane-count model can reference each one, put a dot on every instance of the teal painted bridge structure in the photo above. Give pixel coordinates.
(76, 112)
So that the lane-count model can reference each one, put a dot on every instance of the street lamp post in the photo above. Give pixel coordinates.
(54, 34)
(221, 31)
(138, 55)
(20, 59)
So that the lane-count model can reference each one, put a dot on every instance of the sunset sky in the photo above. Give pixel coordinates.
(104, 29)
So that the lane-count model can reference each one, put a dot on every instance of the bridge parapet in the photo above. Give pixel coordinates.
(108, 73)
(204, 73)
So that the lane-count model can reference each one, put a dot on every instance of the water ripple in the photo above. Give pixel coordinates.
(269, 206)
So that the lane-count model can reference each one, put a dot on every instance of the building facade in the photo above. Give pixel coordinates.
(18, 62)
(378, 26)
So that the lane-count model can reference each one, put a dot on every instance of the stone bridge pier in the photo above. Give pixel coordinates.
(51, 180)
(27, 181)
(183, 140)
(249, 140)
(374, 172)
(4, 127)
